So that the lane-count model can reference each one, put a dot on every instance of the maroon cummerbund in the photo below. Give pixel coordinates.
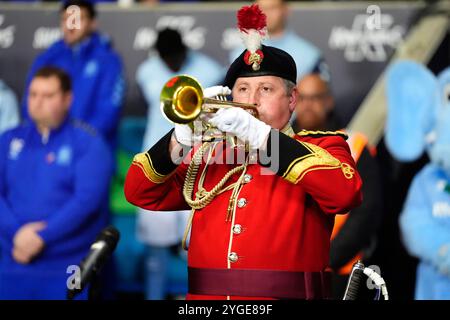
(259, 283)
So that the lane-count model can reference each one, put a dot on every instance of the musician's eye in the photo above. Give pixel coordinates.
(242, 89)
(266, 89)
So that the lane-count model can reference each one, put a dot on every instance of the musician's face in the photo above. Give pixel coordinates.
(274, 103)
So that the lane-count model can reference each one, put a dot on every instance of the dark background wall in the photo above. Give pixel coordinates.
(355, 54)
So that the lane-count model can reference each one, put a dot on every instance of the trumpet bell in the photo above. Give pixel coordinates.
(181, 99)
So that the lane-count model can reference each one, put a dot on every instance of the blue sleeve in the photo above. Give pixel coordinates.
(423, 235)
(8, 222)
(110, 97)
(92, 174)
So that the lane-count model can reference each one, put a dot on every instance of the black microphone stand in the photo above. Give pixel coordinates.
(89, 275)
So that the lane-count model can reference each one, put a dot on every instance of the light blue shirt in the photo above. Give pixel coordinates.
(153, 73)
(306, 55)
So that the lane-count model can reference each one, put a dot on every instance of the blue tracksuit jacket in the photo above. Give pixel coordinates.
(62, 181)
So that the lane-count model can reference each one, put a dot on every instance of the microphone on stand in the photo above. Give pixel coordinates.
(354, 280)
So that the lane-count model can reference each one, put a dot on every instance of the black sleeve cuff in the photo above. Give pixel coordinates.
(159, 155)
(156, 163)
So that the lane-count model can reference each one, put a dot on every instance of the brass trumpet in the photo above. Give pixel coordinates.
(182, 101)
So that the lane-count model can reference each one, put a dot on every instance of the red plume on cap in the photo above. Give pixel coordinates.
(252, 25)
(251, 17)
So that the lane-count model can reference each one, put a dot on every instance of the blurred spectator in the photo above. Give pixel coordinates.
(156, 229)
(94, 67)
(9, 109)
(54, 173)
(307, 56)
(353, 235)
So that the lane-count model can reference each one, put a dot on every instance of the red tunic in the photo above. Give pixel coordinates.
(282, 221)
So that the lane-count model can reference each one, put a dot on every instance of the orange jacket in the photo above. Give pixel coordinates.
(357, 143)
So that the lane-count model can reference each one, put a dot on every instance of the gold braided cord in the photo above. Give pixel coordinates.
(237, 186)
(204, 197)
(186, 230)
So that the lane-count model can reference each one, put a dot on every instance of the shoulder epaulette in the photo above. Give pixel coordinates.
(84, 126)
(316, 134)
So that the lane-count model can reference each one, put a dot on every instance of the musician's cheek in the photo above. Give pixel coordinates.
(263, 116)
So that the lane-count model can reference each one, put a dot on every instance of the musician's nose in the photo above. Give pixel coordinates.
(254, 97)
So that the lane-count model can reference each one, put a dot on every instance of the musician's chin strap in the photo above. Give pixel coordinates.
(354, 280)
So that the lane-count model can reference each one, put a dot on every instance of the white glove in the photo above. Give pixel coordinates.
(183, 132)
(243, 125)
(214, 91)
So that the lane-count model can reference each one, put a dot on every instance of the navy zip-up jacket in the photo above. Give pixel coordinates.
(62, 181)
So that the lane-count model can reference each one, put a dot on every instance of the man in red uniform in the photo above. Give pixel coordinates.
(259, 230)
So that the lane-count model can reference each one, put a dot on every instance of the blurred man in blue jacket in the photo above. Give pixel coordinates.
(94, 67)
(54, 174)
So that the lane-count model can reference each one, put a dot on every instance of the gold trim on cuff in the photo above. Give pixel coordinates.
(318, 159)
(303, 133)
(143, 161)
